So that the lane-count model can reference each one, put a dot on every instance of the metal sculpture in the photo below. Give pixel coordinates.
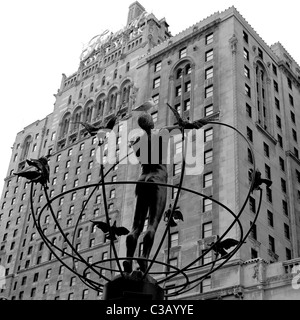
(41, 175)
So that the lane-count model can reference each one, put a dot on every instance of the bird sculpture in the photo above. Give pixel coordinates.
(224, 244)
(115, 231)
(177, 215)
(41, 175)
(33, 176)
(146, 106)
(258, 180)
(185, 124)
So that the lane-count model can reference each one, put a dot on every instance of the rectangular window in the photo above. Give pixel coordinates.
(252, 204)
(275, 85)
(281, 164)
(207, 180)
(209, 73)
(298, 175)
(174, 239)
(277, 104)
(247, 91)
(285, 207)
(249, 134)
(253, 232)
(274, 69)
(207, 205)
(278, 122)
(207, 230)
(209, 38)
(280, 140)
(286, 231)
(155, 99)
(269, 195)
(288, 254)
(209, 55)
(176, 168)
(156, 83)
(208, 110)
(187, 86)
(187, 105)
(291, 100)
(245, 36)
(246, 54)
(266, 150)
(182, 53)
(208, 92)
(208, 156)
(293, 118)
(157, 66)
(154, 116)
(206, 285)
(283, 185)
(248, 110)
(289, 81)
(271, 243)
(270, 219)
(178, 91)
(260, 53)
(254, 254)
(267, 172)
(208, 135)
(247, 72)
(294, 133)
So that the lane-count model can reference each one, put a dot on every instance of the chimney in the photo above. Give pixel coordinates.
(135, 10)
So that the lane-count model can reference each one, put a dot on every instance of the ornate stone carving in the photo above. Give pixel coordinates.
(233, 43)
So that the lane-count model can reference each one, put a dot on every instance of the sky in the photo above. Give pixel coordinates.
(40, 40)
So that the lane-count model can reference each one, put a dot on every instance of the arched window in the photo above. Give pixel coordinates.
(65, 125)
(115, 74)
(76, 119)
(88, 112)
(92, 87)
(26, 147)
(70, 100)
(80, 94)
(127, 66)
(112, 100)
(125, 93)
(100, 107)
(182, 88)
(103, 81)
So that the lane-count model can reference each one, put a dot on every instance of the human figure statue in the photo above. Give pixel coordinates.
(150, 199)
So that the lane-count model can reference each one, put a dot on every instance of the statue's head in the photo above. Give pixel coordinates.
(145, 121)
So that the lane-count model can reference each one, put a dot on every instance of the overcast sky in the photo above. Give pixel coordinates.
(40, 40)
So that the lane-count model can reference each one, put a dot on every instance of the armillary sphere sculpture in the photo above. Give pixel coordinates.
(116, 273)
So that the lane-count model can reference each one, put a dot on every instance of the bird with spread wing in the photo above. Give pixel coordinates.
(224, 244)
(41, 175)
(115, 231)
(185, 124)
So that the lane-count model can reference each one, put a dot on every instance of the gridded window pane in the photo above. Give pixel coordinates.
(207, 205)
(209, 92)
(209, 73)
(209, 55)
(156, 83)
(209, 38)
(207, 230)
(208, 135)
(207, 180)
(208, 156)
(157, 66)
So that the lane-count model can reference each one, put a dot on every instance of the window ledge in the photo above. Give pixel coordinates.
(291, 154)
(266, 133)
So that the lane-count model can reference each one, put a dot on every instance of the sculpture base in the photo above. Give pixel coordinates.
(132, 287)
